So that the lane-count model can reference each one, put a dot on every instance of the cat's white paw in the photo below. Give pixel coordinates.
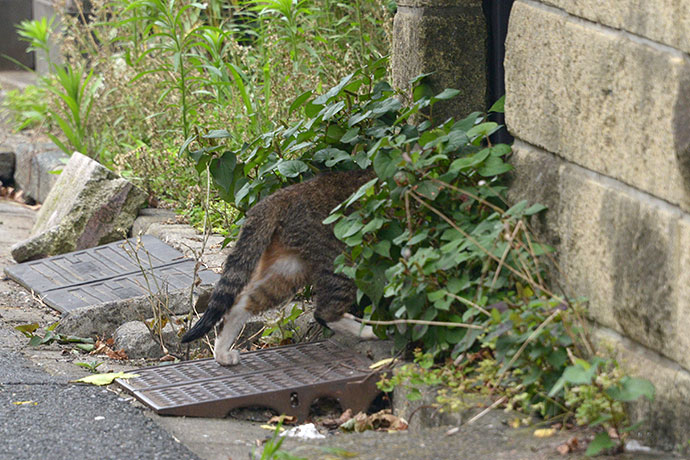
(349, 325)
(227, 357)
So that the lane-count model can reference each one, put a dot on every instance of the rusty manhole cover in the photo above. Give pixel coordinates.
(286, 379)
(106, 273)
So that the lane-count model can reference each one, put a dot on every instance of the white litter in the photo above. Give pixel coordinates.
(306, 431)
(635, 446)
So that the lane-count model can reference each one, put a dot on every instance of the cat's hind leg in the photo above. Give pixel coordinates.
(279, 275)
(334, 294)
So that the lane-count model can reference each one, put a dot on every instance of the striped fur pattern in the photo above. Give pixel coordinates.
(282, 247)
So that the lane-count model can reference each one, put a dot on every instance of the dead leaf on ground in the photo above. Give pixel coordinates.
(332, 423)
(572, 445)
(544, 432)
(380, 421)
(285, 419)
(103, 347)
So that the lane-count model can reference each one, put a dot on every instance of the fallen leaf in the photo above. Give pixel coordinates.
(563, 449)
(383, 362)
(515, 423)
(345, 416)
(104, 379)
(380, 421)
(271, 427)
(23, 403)
(544, 432)
(284, 419)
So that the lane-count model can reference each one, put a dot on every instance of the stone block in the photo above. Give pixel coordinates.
(627, 252)
(45, 170)
(88, 205)
(666, 423)
(664, 21)
(602, 99)
(149, 216)
(448, 38)
(24, 154)
(190, 242)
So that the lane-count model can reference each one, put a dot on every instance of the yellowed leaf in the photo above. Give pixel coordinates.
(544, 432)
(383, 362)
(271, 427)
(515, 423)
(104, 379)
(23, 403)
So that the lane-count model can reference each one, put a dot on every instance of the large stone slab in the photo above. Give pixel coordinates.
(664, 21)
(88, 205)
(627, 252)
(600, 98)
(448, 38)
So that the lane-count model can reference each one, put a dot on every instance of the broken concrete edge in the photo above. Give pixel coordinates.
(102, 320)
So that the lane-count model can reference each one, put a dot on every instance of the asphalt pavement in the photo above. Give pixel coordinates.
(44, 416)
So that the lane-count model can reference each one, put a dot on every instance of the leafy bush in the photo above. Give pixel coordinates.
(444, 262)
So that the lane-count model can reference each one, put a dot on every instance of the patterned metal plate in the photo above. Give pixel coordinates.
(107, 273)
(287, 379)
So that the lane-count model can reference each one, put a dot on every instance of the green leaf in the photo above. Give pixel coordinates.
(301, 99)
(534, 209)
(292, 168)
(350, 135)
(631, 389)
(217, 134)
(600, 442)
(382, 248)
(499, 105)
(428, 189)
(483, 130)
(27, 329)
(384, 165)
(494, 166)
(447, 93)
(223, 171)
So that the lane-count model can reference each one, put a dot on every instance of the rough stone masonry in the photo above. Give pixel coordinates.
(598, 98)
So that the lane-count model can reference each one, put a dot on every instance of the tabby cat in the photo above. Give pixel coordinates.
(283, 246)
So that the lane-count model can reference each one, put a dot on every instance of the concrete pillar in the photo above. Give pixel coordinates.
(449, 38)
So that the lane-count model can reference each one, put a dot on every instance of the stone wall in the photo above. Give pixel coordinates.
(598, 98)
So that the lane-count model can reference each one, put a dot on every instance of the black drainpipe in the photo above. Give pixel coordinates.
(497, 13)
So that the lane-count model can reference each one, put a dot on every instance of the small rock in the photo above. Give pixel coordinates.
(134, 337)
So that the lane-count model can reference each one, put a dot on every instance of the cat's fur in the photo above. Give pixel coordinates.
(282, 247)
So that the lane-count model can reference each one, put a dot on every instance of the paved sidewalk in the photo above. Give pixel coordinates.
(42, 416)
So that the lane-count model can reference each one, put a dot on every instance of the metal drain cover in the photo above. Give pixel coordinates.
(106, 273)
(286, 379)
